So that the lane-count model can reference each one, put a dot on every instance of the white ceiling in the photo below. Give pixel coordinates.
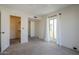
(36, 9)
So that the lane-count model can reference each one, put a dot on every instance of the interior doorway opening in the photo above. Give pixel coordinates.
(31, 29)
(53, 28)
(15, 29)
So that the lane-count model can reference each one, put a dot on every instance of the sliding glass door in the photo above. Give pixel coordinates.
(53, 28)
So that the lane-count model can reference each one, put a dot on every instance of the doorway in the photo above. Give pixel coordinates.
(31, 29)
(53, 28)
(15, 29)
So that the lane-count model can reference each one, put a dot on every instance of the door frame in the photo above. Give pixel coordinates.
(20, 25)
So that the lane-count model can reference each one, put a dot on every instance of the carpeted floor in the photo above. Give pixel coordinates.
(38, 47)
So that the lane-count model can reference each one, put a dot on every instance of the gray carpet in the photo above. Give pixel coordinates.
(38, 47)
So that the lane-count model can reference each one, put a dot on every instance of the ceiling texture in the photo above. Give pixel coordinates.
(36, 9)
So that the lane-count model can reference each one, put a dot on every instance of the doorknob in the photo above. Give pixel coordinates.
(2, 32)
